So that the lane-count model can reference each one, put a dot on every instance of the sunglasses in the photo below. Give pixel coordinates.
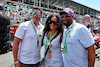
(66, 15)
(50, 22)
(38, 14)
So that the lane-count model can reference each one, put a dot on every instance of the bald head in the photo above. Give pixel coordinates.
(86, 18)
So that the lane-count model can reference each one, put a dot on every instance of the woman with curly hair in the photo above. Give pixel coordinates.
(52, 41)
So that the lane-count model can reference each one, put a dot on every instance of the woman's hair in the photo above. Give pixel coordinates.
(59, 23)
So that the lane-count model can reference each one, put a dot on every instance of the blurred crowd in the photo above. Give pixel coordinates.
(18, 12)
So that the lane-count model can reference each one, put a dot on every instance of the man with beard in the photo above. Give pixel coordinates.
(78, 42)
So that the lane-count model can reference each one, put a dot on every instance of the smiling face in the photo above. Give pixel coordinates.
(36, 18)
(53, 26)
(86, 19)
(67, 21)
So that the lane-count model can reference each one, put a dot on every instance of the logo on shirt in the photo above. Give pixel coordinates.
(69, 36)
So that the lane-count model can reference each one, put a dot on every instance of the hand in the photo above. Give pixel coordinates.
(18, 64)
(95, 46)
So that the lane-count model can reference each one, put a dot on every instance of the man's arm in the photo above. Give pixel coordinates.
(15, 48)
(91, 56)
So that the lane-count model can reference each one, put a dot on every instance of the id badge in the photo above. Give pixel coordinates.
(48, 43)
(49, 54)
(40, 33)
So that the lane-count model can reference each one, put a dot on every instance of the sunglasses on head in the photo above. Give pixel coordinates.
(66, 15)
(50, 22)
(38, 14)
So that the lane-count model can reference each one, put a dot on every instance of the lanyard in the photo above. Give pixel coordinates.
(37, 33)
(48, 41)
(64, 50)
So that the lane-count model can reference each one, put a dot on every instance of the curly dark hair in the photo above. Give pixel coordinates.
(59, 23)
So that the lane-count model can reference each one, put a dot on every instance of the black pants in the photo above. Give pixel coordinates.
(30, 65)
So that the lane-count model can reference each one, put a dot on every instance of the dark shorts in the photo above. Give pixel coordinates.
(29, 65)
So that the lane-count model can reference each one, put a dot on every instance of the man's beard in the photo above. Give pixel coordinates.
(67, 24)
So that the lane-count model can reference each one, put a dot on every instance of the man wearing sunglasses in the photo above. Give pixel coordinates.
(26, 45)
(78, 42)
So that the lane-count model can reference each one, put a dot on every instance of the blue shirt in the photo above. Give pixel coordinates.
(77, 40)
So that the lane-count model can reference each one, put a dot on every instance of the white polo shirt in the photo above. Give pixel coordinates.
(28, 53)
(77, 40)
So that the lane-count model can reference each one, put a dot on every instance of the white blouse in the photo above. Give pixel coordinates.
(56, 56)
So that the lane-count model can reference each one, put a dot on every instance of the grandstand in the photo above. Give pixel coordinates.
(79, 9)
(54, 6)
(61, 4)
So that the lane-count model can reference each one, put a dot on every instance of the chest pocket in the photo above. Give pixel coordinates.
(72, 38)
(30, 33)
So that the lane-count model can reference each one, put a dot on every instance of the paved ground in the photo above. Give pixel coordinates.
(7, 59)
(97, 62)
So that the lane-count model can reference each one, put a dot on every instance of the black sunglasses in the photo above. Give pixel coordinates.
(50, 22)
(38, 14)
(66, 15)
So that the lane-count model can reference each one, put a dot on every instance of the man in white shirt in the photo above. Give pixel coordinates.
(26, 45)
(78, 42)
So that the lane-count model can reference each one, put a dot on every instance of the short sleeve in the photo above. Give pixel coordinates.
(85, 37)
(20, 31)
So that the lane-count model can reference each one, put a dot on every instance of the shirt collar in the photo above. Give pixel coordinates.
(35, 25)
(70, 26)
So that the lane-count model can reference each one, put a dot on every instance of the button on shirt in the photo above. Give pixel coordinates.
(28, 53)
(77, 40)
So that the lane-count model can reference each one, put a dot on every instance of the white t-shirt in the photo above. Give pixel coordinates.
(28, 53)
(77, 40)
